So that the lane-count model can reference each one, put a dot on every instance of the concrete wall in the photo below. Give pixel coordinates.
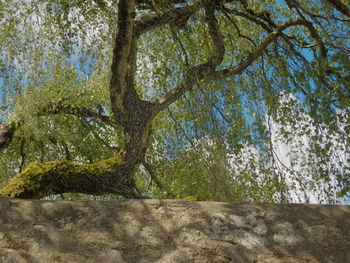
(171, 231)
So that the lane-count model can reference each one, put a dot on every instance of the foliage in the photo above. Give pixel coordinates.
(275, 130)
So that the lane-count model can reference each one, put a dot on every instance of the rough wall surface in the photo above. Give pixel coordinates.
(171, 231)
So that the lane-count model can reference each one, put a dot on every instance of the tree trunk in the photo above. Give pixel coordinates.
(114, 175)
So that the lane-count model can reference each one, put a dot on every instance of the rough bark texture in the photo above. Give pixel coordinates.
(6, 135)
(171, 231)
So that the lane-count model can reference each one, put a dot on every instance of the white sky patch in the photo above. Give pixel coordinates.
(312, 177)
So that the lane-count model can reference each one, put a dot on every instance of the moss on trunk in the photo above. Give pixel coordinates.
(42, 179)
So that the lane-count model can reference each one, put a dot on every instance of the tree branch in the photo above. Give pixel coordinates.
(149, 4)
(171, 16)
(249, 17)
(7, 132)
(198, 72)
(265, 16)
(152, 174)
(223, 10)
(78, 112)
(261, 48)
(42, 179)
(340, 7)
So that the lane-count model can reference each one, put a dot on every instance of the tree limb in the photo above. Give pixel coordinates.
(78, 112)
(42, 179)
(261, 48)
(170, 16)
(149, 4)
(265, 16)
(338, 4)
(198, 72)
(7, 132)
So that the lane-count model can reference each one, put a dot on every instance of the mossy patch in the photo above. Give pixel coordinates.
(190, 198)
(41, 179)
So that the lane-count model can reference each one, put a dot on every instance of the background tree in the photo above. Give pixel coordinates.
(193, 98)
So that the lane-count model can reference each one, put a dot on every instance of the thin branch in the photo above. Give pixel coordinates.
(338, 4)
(22, 154)
(249, 17)
(176, 39)
(174, 16)
(198, 72)
(236, 27)
(214, 105)
(295, 52)
(149, 4)
(180, 127)
(321, 16)
(78, 112)
(98, 137)
(152, 174)
(260, 50)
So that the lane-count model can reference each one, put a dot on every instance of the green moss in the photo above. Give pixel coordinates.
(28, 181)
(190, 198)
(41, 179)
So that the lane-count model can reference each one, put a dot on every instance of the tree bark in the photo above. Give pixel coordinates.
(42, 179)
(6, 135)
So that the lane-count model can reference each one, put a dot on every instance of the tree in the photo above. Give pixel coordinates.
(181, 72)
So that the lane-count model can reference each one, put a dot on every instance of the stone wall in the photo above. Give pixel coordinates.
(171, 231)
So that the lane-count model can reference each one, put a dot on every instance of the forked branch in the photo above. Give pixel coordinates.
(261, 48)
(198, 72)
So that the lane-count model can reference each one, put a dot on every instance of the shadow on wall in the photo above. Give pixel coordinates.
(171, 231)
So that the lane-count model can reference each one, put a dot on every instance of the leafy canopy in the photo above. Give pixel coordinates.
(270, 123)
